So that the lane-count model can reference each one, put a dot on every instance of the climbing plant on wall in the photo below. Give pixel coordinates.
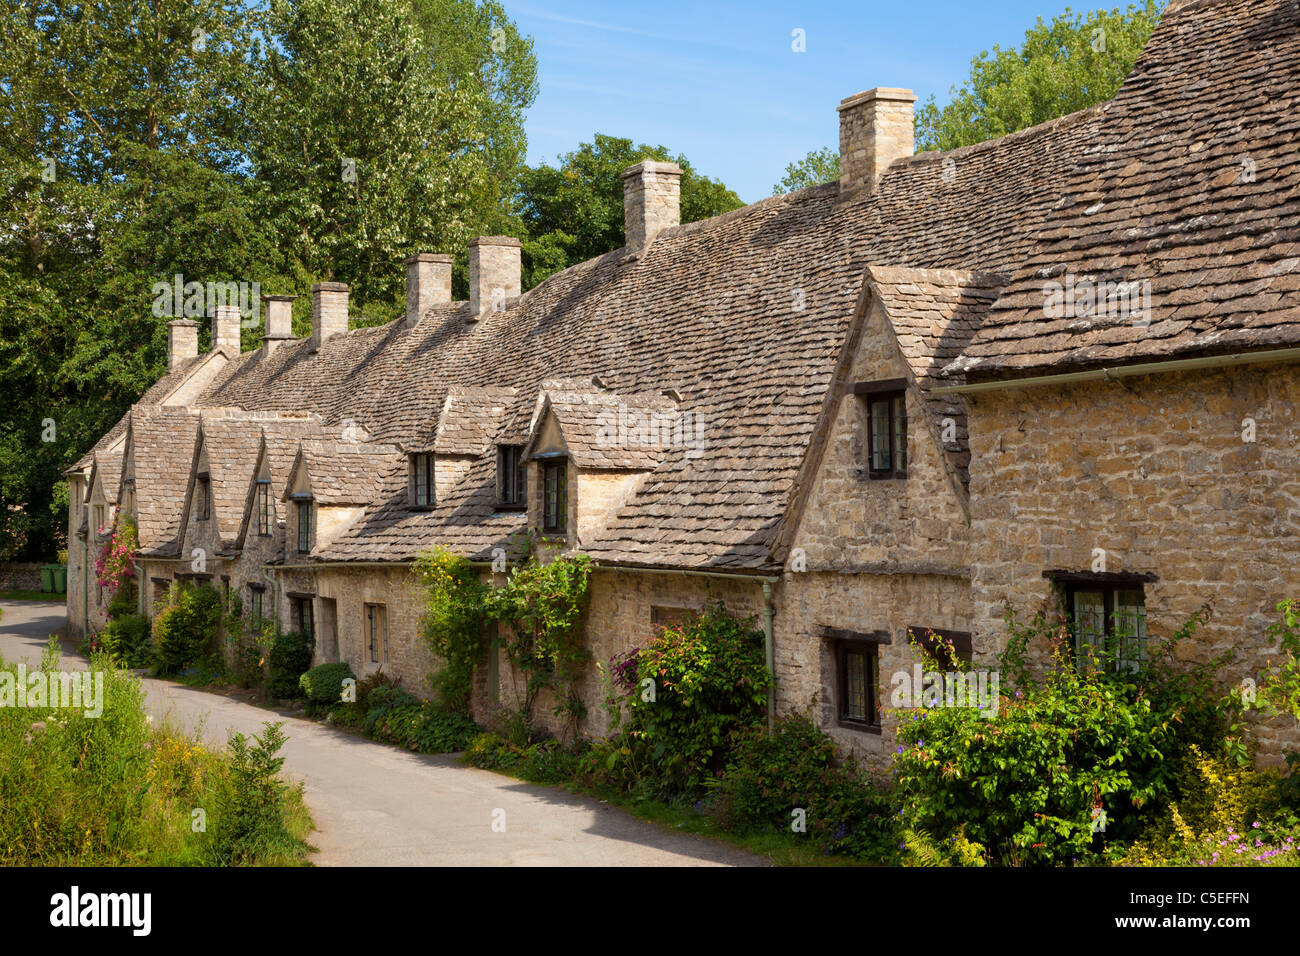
(543, 604)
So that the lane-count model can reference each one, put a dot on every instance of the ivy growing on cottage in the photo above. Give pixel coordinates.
(543, 605)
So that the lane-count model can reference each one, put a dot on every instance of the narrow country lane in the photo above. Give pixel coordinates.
(379, 806)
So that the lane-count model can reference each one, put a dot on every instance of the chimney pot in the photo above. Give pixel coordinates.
(329, 311)
(182, 342)
(876, 128)
(428, 283)
(651, 201)
(279, 321)
(494, 276)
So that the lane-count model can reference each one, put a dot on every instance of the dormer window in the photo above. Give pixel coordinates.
(205, 497)
(263, 506)
(423, 489)
(511, 481)
(886, 427)
(304, 514)
(555, 496)
(99, 519)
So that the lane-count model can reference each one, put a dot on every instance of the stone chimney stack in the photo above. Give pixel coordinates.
(182, 342)
(494, 276)
(651, 201)
(875, 129)
(428, 283)
(225, 329)
(329, 311)
(279, 322)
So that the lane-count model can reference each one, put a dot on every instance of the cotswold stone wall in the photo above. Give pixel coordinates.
(350, 589)
(852, 522)
(1154, 471)
(870, 554)
(805, 663)
(619, 618)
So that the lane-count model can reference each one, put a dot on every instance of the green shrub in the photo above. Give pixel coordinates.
(323, 684)
(123, 602)
(549, 761)
(1084, 756)
(452, 625)
(247, 640)
(696, 684)
(491, 752)
(128, 639)
(115, 790)
(770, 776)
(289, 659)
(1230, 816)
(400, 718)
(250, 821)
(184, 630)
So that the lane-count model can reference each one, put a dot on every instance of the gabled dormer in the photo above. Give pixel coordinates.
(467, 426)
(101, 500)
(329, 486)
(590, 449)
(263, 513)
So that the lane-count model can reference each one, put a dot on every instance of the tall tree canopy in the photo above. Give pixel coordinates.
(574, 211)
(277, 142)
(1076, 61)
(141, 139)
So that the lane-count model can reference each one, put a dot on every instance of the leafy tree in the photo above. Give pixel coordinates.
(380, 133)
(140, 139)
(1076, 61)
(574, 212)
(117, 167)
(819, 166)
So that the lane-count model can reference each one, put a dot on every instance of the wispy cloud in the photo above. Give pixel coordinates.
(524, 10)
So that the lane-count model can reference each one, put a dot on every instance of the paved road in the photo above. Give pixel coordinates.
(376, 805)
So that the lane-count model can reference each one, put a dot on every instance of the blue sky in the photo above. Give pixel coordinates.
(718, 81)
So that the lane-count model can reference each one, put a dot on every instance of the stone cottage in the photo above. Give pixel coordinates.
(1056, 368)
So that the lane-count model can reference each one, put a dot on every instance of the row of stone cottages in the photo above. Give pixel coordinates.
(896, 401)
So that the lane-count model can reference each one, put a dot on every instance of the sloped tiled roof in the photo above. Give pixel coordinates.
(745, 316)
(346, 473)
(161, 445)
(934, 314)
(708, 309)
(470, 419)
(1191, 184)
(232, 442)
(107, 467)
(609, 430)
(153, 397)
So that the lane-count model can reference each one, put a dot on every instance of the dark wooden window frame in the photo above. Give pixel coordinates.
(887, 390)
(423, 466)
(304, 529)
(304, 612)
(512, 495)
(555, 522)
(373, 613)
(257, 601)
(844, 643)
(1071, 583)
(262, 504)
